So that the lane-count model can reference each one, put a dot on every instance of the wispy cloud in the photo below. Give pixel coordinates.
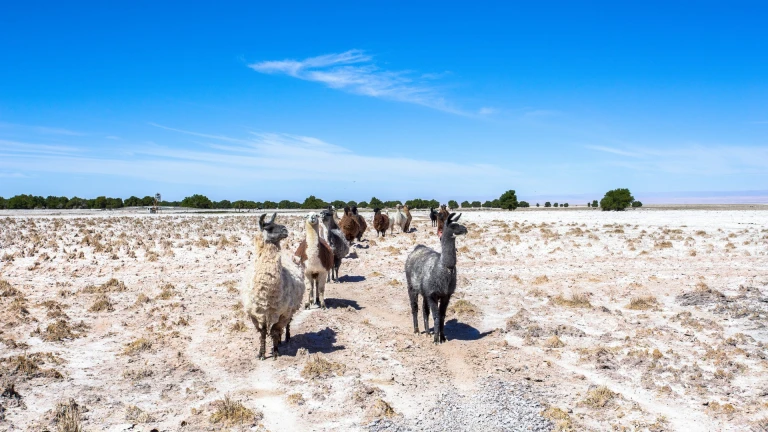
(484, 111)
(43, 130)
(265, 161)
(355, 72)
(699, 160)
(12, 175)
(613, 150)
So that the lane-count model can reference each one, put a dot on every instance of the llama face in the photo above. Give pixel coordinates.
(272, 232)
(327, 215)
(453, 229)
(313, 218)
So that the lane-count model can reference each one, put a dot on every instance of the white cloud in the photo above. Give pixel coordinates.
(693, 159)
(487, 111)
(268, 160)
(612, 150)
(354, 72)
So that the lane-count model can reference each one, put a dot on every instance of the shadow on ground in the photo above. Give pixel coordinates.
(461, 331)
(315, 342)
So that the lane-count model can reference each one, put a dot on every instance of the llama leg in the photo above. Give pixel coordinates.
(288, 331)
(317, 288)
(262, 337)
(443, 309)
(308, 287)
(275, 332)
(425, 314)
(433, 307)
(335, 269)
(321, 292)
(414, 297)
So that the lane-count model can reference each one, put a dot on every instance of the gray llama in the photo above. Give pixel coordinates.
(433, 275)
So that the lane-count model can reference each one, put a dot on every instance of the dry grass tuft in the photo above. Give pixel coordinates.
(102, 304)
(560, 418)
(295, 399)
(663, 245)
(577, 300)
(318, 367)
(61, 330)
(142, 299)
(380, 409)
(238, 326)
(137, 415)
(554, 342)
(67, 417)
(642, 303)
(541, 280)
(231, 412)
(112, 285)
(463, 307)
(137, 346)
(137, 374)
(167, 291)
(231, 286)
(7, 290)
(599, 397)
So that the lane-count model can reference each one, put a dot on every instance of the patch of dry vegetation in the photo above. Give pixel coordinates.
(61, 330)
(229, 412)
(463, 307)
(577, 300)
(599, 397)
(380, 409)
(560, 418)
(110, 286)
(67, 416)
(642, 303)
(102, 304)
(318, 367)
(554, 342)
(167, 291)
(137, 346)
(137, 415)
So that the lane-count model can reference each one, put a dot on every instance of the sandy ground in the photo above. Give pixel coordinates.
(640, 320)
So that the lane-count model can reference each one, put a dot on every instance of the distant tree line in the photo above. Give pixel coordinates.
(29, 202)
(617, 199)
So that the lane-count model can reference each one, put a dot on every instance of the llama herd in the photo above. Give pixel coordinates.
(272, 290)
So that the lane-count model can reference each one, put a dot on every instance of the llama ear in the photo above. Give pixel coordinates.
(457, 217)
(261, 221)
(274, 215)
(450, 217)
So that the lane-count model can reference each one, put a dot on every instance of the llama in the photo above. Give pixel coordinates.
(433, 275)
(271, 290)
(335, 238)
(349, 225)
(362, 225)
(380, 222)
(408, 219)
(335, 215)
(433, 216)
(441, 218)
(317, 257)
(398, 219)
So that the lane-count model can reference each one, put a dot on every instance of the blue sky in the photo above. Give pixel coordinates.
(344, 101)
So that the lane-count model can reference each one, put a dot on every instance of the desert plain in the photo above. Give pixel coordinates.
(564, 319)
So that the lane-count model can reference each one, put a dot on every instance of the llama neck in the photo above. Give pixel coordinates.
(326, 231)
(267, 257)
(312, 236)
(448, 255)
